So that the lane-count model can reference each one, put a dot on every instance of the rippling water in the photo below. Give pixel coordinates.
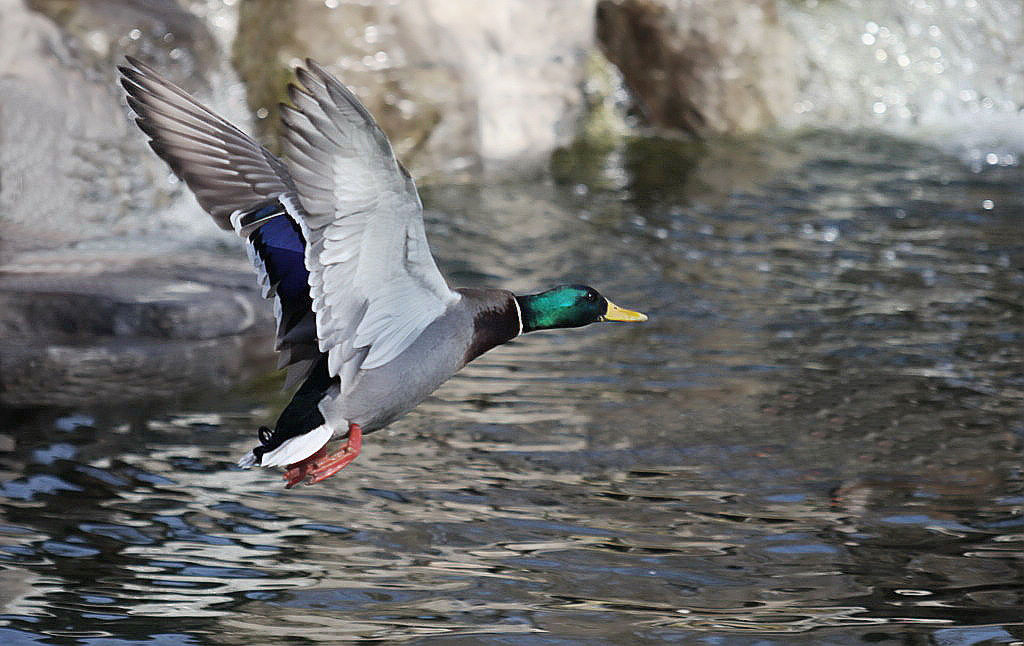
(816, 439)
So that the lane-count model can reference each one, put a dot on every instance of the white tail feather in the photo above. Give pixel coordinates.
(292, 450)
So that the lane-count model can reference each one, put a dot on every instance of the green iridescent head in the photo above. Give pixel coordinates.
(570, 306)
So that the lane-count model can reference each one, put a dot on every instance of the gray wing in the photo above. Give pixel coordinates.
(238, 182)
(374, 284)
(226, 170)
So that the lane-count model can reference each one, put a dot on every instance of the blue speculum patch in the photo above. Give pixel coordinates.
(280, 245)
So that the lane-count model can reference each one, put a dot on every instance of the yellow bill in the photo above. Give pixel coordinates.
(616, 313)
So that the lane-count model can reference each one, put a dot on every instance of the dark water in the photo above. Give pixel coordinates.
(817, 439)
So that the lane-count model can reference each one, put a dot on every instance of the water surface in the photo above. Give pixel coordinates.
(816, 439)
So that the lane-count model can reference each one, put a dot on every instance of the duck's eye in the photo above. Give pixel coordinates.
(591, 296)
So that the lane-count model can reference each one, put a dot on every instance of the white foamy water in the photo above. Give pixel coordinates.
(950, 71)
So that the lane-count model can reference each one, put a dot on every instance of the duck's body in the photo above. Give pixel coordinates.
(366, 322)
(480, 320)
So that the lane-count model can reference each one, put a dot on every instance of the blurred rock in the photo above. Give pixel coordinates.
(704, 67)
(96, 303)
(99, 32)
(121, 305)
(458, 85)
(74, 170)
(147, 331)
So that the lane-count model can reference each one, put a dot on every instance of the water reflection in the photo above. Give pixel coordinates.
(817, 438)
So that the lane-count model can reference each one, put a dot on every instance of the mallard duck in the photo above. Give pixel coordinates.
(365, 321)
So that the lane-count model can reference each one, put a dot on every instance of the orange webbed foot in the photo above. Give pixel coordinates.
(320, 466)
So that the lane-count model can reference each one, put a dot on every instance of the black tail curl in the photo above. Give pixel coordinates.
(300, 416)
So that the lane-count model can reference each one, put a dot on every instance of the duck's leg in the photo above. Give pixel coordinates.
(341, 458)
(298, 471)
(321, 466)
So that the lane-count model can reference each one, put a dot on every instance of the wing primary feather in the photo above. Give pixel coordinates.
(243, 187)
(225, 168)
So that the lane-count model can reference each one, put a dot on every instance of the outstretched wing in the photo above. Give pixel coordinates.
(374, 284)
(226, 170)
(243, 186)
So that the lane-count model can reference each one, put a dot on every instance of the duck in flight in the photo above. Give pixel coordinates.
(365, 321)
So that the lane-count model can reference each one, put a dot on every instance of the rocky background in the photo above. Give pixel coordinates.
(468, 91)
(465, 89)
